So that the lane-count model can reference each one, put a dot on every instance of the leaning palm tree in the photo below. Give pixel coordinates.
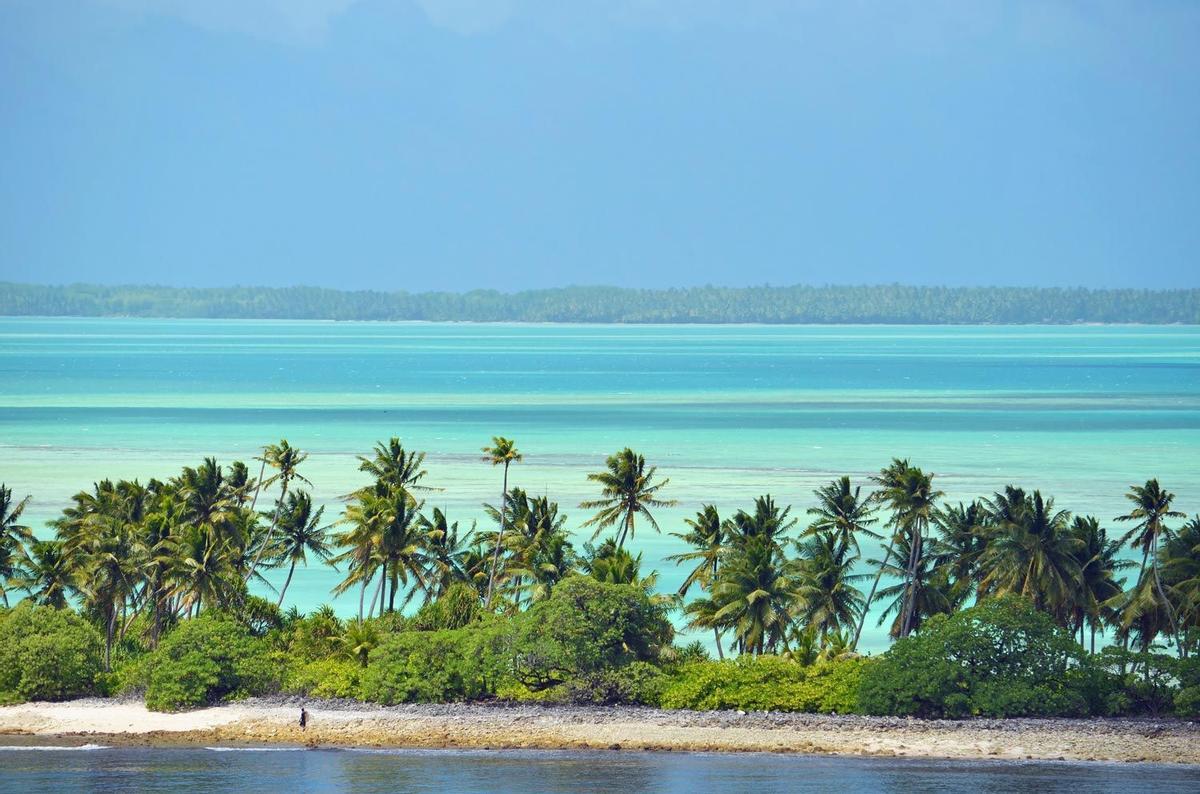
(1098, 565)
(1151, 507)
(889, 477)
(927, 593)
(628, 489)
(285, 459)
(13, 537)
(502, 452)
(300, 534)
(707, 535)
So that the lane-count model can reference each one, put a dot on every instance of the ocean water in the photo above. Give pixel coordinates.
(104, 770)
(727, 412)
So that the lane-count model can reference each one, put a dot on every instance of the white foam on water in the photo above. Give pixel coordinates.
(55, 747)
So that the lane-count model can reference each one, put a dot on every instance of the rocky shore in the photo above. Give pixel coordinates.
(349, 723)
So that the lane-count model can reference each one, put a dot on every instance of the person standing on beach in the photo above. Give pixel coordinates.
(303, 719)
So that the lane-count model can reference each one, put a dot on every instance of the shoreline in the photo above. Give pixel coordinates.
(343, 724)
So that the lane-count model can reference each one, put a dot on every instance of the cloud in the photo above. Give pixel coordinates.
(290, 21)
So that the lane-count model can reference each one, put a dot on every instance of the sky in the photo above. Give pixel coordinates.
(512, 144)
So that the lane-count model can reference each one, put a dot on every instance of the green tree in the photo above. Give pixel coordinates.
(1151, 508)
(286, 460)
(502, 452)
(756, 593)
(628, 489)
(13, 537)
(300, 534)
(826, 596)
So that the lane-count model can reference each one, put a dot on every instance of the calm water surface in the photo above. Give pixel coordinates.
(728, 412)
(528, 772)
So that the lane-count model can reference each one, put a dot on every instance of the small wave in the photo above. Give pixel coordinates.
(54, 747)
(254, 749)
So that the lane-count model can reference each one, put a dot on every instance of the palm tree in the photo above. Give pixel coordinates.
(285, 459)
(448, 554)
(300, 533)
(889, 477)
(401, 546)
(47, 576)
(13, 536)
(1098, 564)
(707, 535)
(827, 597)
(841, 509)
(756, 594)
(922, 594)
(502, 452)
(960, 538)
(1031, 551)
(395, 466)
(1151, 507)
(1181, 571)
(611, 564)
(363, 520)
(628, 489)
(768, 522)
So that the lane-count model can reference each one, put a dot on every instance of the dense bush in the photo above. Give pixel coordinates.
(766, 683)
(47, 654)
(459, 606)
(1002, 658)
(204, 660)
(437, 666)
(335, 677)
(587, 627)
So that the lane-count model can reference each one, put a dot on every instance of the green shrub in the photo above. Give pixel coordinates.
(1002, 658)
(587, 627)
(204, 660)
(638, 683)
(459, 606)
(47, 654)
(766, 683)
(437, 666)
(325, 678)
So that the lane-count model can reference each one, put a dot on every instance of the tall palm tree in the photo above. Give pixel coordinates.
(889, 477)
(960, 537)
(1181, 572)
(502, 452)
(628, 489)
(395, 466)
(285, 459)
(1031, 551)
(13, 537)
(933, 593)
(1151, 508)
(401, 546)
(300, 534)
(768, 522)
(363, 521)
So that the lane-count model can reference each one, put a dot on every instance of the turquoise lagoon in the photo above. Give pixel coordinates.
(727, 412)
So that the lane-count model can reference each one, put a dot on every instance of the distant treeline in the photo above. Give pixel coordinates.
(797, 304)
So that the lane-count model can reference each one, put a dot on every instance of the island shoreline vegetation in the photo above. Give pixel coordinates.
(781, 305)
(995, 606)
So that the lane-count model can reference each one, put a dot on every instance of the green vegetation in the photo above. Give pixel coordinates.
(995, 605)
(796, 304)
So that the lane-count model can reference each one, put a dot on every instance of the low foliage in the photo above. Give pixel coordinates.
(766, 683)
(1002, 658)
(47, 654)
(205, 660)
(437, 666)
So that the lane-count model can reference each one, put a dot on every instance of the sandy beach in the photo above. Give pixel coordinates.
(340, 724)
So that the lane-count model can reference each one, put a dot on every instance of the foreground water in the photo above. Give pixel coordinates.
(528, 772)
(727, 412)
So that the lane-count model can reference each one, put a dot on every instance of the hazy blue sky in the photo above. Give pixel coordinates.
(416, 144)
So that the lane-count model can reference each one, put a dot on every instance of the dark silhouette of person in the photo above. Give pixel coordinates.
(303, 719)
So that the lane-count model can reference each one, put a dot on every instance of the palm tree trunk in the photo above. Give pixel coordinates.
(871, 597)
(717, 635)
(4, 593)
(914, 557)
(377, 597)
(286, 582)
(258, 483)
(270, 532)
(1166, 603)
(487, 602)
(362, 594)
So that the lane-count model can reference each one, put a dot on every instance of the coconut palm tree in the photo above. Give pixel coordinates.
(300, 534)
(47, 575)
(395, 466)
(1151, 508)
(768, 522)
(363, 521)
(841, 509)
(611, 564)
(826, 596)
(1098, 565)
(960, 537)
(13, 537)
(756, 593)
(922, 595)
(401, 547)
(628, 489)
(285, 459)
(889, 478)
(1031, 551)
(502, 452)
(448, 553)
(1181, 572)
(708, 536)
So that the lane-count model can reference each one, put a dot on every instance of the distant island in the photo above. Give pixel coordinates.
(892, 303)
